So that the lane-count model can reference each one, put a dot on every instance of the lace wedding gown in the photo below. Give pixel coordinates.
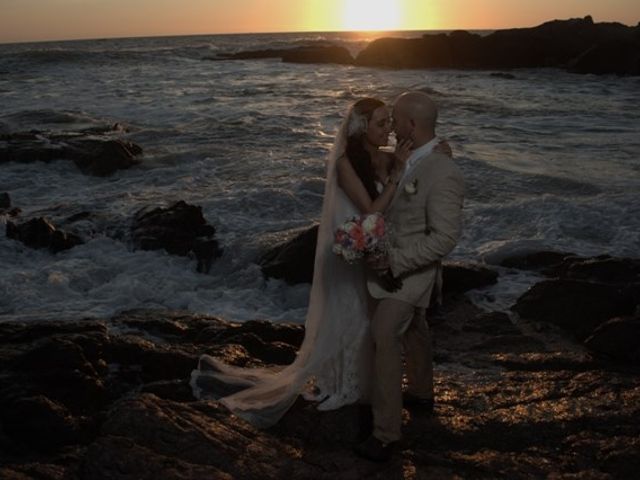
(332, 365)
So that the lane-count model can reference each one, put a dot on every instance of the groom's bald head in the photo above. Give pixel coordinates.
(415, 115)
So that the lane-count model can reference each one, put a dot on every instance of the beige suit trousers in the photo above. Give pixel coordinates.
(395, 324)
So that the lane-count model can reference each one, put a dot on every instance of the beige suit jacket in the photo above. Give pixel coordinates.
(424, 221)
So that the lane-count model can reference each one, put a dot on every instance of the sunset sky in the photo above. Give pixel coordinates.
(31, 20)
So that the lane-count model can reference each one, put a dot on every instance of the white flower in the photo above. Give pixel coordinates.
(358, 124)
(412, 187)
(369, 223)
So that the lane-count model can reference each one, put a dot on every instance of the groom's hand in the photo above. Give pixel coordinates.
(379, 263)
(381, 266)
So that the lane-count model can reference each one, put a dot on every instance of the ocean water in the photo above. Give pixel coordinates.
(551, 160)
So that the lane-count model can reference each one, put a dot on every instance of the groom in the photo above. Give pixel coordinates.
(425, 222)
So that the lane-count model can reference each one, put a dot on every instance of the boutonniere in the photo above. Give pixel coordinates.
(412, 187)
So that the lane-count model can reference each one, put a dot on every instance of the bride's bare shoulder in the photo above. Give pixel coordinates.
(343, 159)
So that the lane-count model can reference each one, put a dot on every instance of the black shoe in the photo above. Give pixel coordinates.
(413, 402)
(374, 450)
(365, 422)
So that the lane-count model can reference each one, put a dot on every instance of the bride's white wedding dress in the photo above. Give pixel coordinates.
(332, 365)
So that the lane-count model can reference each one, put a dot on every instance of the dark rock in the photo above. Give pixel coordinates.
(60, 367)
(40, 423)
(278, 353)
(333, 54)
(621, 460)
(150, 362)
(179, 230)
(431, 51)
(491, 323)
(535, 261)
(546, 362)
(34, 471)
(142, 430)
(292, 260)
(5, 200)
(41, 233)
(324, 53)
(580, 43)
(249, 55)
(621, 57)
(576, 306)
(175, 390)
(505, 76)
(275, 344)
(618, 338)
(102, 158)
(605, 269)
(510, 343)
(269, 332)
(545, 413)
(459, 277)
(93, 154)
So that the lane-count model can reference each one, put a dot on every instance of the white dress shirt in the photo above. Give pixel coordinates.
(416, 155)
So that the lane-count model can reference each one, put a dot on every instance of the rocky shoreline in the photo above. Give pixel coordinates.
(109, 398)
(578, 45)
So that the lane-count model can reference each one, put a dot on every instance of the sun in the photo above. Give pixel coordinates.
(371, 15)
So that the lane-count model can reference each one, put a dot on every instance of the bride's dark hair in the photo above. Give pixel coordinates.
(358, 156)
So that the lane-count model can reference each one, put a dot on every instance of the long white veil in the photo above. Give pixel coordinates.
(330, 364)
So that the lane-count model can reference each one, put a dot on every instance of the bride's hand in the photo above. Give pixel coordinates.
(402, 153)
(444, 147)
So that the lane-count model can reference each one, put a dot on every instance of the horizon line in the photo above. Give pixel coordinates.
(222, 34)
(271, 32)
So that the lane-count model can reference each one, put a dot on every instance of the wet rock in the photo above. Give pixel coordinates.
(99, 155)
(604, 269)
(618, 338)
(41, 233)
(292, 260)
(576, 306)
(535, 261)
(459, 277)
(330, 54)
(249, 55)
(324, 53)
(5, 200)
(180, 230)
(102, 158)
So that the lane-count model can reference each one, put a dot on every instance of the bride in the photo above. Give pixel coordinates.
(333, 363)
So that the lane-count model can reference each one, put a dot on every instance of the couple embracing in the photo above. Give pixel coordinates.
(363, 318)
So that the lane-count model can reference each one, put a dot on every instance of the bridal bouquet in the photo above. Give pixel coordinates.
(359, 236)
